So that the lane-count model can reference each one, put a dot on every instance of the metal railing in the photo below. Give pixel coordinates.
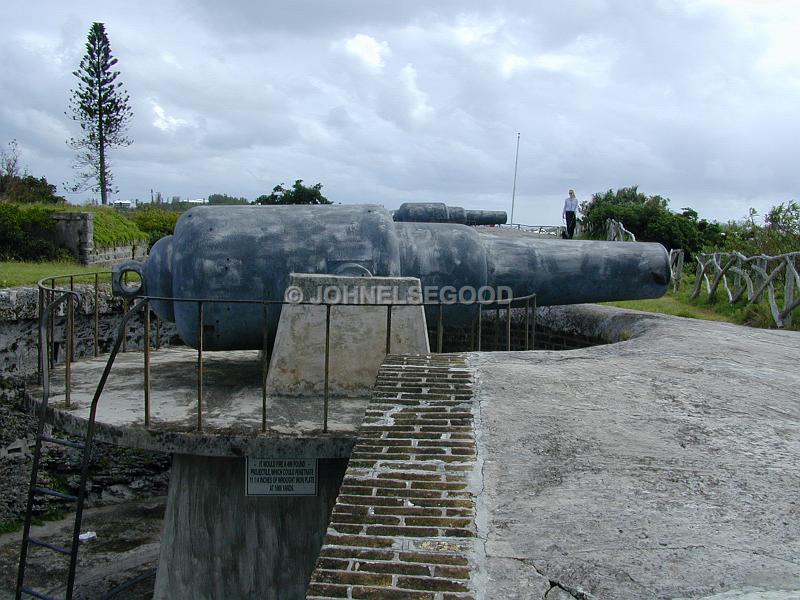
(142, 304)
(48, 290)
(552, 230)
(46, 317)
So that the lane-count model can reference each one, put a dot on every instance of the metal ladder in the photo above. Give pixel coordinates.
(86, 446)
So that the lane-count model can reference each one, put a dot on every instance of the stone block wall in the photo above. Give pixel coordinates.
(19, 328)
(75, 232)
(117, 254)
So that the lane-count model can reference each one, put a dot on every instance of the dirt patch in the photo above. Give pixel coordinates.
(125, 508)
(126, 546)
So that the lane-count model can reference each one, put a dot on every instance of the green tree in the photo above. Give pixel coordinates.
(29, 190)
(650, 219)
(20, 187)
(780, 233)
(9, 160)
(297, 194)
(100, 106)
(225, 199)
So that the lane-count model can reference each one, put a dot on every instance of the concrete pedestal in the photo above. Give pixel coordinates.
(219, 543)
(357, 343)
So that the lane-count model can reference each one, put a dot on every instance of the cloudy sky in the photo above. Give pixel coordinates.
(408, 100)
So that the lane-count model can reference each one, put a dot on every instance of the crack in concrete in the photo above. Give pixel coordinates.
(757, 553)
(688, 547)
(577, 594)
(480, 522)
(572, 591)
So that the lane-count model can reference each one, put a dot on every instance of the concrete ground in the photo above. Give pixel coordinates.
(232, 406)
(663, 466)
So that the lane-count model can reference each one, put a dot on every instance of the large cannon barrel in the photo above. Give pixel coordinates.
(438, 212)
(247, 253)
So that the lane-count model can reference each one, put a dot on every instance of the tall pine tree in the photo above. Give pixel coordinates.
(99, 104)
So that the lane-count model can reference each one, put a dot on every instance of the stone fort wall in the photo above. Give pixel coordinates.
(75, 232)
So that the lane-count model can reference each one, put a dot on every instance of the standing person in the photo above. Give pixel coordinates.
(568, 214)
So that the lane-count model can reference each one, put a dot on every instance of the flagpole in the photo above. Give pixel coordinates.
(514, 189)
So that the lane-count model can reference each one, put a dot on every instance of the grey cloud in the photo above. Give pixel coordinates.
(661, 94)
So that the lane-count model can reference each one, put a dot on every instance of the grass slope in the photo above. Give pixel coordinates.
(16, 274)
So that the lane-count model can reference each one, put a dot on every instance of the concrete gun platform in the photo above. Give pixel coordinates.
(232, 407)
(664, 466)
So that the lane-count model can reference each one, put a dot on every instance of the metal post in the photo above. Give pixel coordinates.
(388, 329)
(508, 326)
(265, 370)
(327, 361)
(533, 331)
(52, 343)
(96, 314)
(527, 322)
(497, 328)
(42, 347)
(480, 324)
(147, 366)
(71, 308)
(68, 353)
(514, 189)
(125, 333)
(439, 332)
(200, 366)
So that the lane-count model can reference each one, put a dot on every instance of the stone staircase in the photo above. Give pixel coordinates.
(403, 527)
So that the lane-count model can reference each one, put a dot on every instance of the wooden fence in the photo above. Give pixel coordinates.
(616, 232)
(751, 278)
(676, 267)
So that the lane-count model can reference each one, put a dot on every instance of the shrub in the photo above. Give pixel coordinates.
(155, 222)
(650, 219)
(780, 233)
(28, 233)
(27, 189)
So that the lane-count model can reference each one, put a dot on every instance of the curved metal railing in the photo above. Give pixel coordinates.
(142, 304)
(551, 230)
(51, 298)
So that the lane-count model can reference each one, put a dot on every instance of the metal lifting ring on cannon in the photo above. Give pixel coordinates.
(119, 284)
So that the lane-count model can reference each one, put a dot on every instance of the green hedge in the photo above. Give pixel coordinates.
(27, 231)
(155, 221)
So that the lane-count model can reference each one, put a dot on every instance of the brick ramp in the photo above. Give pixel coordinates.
(403, 526)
